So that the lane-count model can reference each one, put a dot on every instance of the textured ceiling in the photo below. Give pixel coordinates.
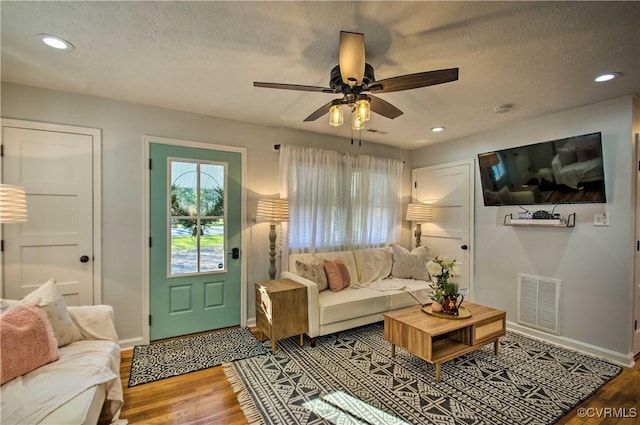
(203, 57)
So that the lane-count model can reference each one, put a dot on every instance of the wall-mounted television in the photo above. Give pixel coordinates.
(563, 171)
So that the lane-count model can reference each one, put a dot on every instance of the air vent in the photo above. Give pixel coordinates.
(538, 302)
(373, 130)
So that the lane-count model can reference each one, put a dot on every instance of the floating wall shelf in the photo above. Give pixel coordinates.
(570, 221)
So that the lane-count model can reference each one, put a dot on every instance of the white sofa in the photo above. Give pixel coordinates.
(74, 388)
(372, 290)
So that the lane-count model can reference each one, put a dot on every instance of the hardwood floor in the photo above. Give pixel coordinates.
(205, 397)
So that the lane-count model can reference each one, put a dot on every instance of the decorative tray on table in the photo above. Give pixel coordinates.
(463, 313)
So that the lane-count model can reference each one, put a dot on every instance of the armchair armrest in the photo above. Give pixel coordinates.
(313, 309)
(94, 321)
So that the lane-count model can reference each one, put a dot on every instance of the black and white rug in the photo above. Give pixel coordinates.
(176, 357)
(350, 378)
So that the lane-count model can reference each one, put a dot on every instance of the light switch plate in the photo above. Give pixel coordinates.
(601, 219)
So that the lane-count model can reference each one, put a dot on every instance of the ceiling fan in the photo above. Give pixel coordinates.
(354, 78)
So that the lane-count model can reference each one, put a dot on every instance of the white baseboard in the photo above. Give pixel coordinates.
(621, 359)
(251, 322)
(127, 344)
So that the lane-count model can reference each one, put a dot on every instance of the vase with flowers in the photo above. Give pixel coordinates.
(444, 292)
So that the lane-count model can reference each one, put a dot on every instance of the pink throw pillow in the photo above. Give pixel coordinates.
(337, 275)
(26, 341)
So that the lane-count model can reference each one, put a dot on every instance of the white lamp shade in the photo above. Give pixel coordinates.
(13, 204)
(420, 213)
(272, 210)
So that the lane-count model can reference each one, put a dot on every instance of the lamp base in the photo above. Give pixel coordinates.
(272, 251)
(418, 234)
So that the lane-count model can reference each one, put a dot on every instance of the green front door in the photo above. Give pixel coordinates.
(195, 204)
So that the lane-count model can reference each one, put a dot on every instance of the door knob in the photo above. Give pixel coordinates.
(84, 259)
(465, 247)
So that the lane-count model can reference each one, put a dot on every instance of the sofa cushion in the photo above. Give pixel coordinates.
(50, 300)
(26, 341)
(350, 303)
(410, 265)
(373, 264)
(337, 275)
(82, 365)
(313, 269)
(85, 408)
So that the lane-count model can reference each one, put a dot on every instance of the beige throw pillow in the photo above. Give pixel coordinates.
(374, 264)
(410, 265)
(50, 300)
(314, 271)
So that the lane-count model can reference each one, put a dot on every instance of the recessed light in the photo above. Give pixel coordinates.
(437, 129)
(56, 42)
(606, 77)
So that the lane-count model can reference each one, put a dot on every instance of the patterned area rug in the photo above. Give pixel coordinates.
(172, 358)
(350, 378)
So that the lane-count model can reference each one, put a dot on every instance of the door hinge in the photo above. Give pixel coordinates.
(415, 184)
(149, 320)
(1, 150)
(150, 164)
(637, 245)
(2, 245)
(150, 242)
(635, 325)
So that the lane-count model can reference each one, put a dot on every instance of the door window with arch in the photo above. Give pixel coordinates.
(197, 233)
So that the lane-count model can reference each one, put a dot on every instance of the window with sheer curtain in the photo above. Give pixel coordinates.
(339, 201)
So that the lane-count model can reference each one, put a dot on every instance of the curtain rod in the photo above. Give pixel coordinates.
(277, 147)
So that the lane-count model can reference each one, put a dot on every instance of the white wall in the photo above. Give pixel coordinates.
(123, 125)
(595, 264)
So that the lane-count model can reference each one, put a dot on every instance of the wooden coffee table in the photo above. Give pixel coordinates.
(438, 340)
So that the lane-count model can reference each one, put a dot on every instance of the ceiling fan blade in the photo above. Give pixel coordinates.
(319, 112)
(293, 87)
(383, 107)
(351, 57)
(414, 81)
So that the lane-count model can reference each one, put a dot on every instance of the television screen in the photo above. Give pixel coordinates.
(563, 171)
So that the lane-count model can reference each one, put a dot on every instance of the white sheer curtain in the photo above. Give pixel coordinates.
(339, 201)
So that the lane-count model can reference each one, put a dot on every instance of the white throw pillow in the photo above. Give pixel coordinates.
(410, 265)
(50, 300)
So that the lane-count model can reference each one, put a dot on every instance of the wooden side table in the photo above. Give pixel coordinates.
(281, 310)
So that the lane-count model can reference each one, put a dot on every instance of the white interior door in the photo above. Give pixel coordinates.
(56, 168)
(449, 190)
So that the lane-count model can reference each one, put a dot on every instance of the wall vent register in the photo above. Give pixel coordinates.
(538, 302)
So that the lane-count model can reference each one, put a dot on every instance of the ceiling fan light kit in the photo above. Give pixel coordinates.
(336, 117)
(353, 78)
(356, 122)
(363, 108)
